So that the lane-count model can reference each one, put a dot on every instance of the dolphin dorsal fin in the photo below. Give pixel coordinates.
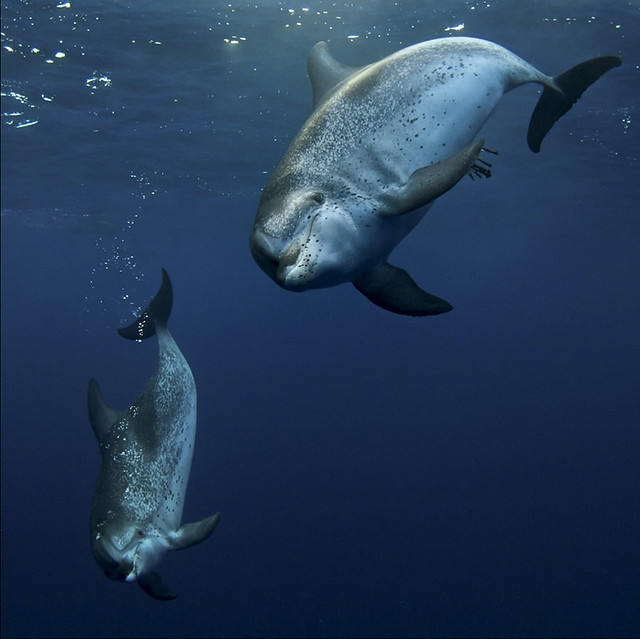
(325, 72)
(102, 417)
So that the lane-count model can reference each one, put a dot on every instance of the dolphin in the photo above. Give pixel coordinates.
(146, 454)
(382, 143)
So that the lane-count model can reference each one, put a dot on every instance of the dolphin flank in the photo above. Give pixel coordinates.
(146, 454)
(382, 144)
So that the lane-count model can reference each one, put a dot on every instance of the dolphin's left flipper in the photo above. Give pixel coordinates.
(393, 289)
(430, 182)
(553, 104)
(193, 533)
(153, 585)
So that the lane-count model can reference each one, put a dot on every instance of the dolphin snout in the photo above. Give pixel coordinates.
(126, 570)
(264, 253)
(287, 262)
(288, 267)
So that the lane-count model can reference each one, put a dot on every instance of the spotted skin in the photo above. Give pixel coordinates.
(344, 193)
(146, 454)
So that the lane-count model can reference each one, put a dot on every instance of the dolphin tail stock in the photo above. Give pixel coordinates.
(153, 585)
(191, 534)
(156, 314)
(393, 289)
(554, 103)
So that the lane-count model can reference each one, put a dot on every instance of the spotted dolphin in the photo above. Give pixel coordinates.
(146, 454)
(382, 143)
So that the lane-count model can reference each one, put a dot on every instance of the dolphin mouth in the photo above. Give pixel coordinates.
(290, 269)
(287, 265)
(130, 568)
(295, 267)
(126, 571)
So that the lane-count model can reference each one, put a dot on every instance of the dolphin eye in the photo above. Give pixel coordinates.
(318, 198)
(139, 533)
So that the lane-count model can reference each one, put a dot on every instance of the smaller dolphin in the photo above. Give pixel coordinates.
(146, 460)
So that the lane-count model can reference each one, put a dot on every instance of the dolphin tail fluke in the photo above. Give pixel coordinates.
(156, 314)
(153, 585)
(191, 534)
(393, 289)
(553, 104)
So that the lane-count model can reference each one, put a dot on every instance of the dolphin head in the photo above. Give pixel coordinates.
(128, 552)
(307, 238)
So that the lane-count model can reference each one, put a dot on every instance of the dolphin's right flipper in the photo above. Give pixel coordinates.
(193, 533)
(156, 314)
(393, 289)
(430, 182)
(553, 104)
(153, 585)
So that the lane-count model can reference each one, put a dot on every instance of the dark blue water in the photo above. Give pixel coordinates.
(476, 473)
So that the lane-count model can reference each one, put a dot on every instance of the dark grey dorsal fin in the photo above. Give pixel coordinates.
(155, 315)
(553, 104)
(325, 72)
(102, 417)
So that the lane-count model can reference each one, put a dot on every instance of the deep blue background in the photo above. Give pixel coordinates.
(476, 473)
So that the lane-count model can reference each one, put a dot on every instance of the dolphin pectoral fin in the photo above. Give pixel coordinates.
(325, 72)
(153, 585)
(193, 533)
(430, 182)
(102, 417)
(393, 289)
(553, 104)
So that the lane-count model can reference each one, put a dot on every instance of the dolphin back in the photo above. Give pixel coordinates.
(156, 315)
